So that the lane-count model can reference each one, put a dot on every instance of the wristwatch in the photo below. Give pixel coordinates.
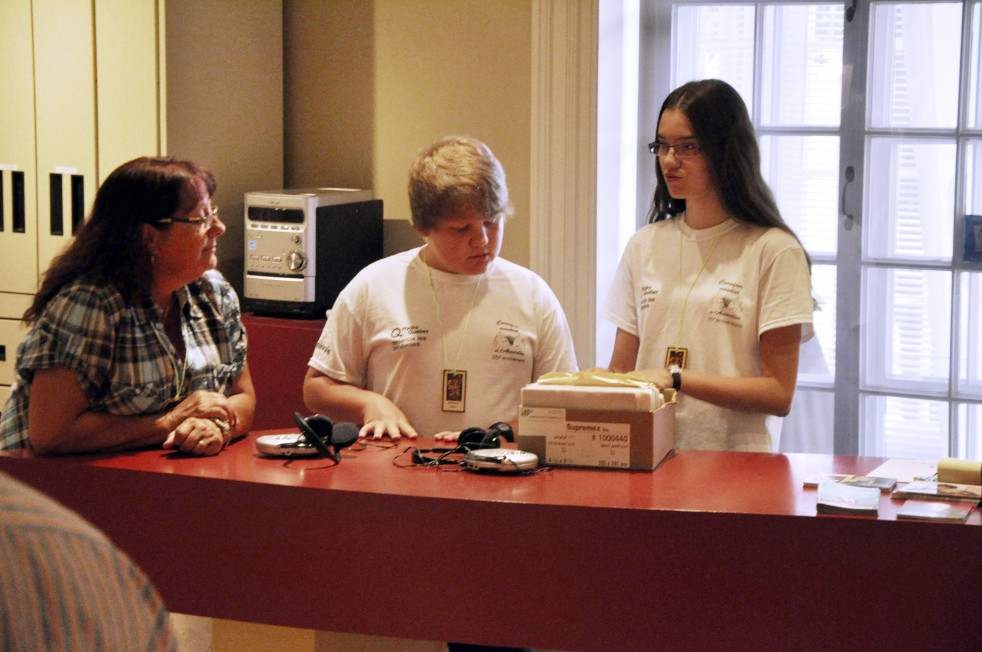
(676, 372)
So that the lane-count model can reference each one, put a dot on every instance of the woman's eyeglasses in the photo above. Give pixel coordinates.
(204, 221)
(682, 150)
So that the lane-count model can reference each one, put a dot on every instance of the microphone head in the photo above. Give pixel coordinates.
(344, 435)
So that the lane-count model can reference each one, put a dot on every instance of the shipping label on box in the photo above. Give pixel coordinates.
(606, 445)
(608, 439)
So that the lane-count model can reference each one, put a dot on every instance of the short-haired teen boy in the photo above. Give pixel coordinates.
(442, 337)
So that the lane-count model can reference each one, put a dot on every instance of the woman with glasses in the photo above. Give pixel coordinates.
(135, 339)
(713, 297)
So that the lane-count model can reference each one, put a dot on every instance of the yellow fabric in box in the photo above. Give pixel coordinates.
(593, 390)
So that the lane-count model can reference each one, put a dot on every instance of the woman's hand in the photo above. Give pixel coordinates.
(625, 355)
(204, 423)
(202, 404)
(661, 378)
(197, 436)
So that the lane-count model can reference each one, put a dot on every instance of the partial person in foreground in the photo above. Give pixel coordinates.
(713, 296)
(135, 339)
(65, 586)
(443, 337)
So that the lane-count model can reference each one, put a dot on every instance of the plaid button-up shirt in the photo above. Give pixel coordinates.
(120, 355)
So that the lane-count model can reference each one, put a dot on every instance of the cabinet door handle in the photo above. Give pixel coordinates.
(18, 205)
(57, 206)
(78, 201)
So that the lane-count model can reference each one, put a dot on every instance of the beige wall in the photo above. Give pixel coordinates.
(328, 100)
(368, 84)
(228, 113)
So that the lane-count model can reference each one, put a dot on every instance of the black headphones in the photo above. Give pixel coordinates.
(470, 439)
(324, 435)
(473, 439)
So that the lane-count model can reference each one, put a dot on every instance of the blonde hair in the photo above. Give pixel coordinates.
(452, 171)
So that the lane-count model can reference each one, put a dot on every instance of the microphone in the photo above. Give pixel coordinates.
(325, 436)
(344, 435)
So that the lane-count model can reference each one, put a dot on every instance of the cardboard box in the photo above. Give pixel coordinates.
(564, 434)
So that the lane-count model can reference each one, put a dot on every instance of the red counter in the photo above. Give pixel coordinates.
(710, 551)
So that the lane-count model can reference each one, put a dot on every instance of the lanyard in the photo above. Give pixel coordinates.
(685, 302)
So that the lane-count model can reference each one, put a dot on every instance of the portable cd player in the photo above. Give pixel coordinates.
(502, 460)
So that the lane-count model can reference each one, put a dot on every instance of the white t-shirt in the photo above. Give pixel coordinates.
(737, 281)
(386, 334)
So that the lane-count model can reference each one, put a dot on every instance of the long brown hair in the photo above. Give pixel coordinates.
(722, 127)
(110, 245)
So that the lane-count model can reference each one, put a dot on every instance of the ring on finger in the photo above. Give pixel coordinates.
(222, 424)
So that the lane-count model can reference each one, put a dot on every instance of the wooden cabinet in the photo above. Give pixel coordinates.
(65, 130)
(18, 169)
(131, 110)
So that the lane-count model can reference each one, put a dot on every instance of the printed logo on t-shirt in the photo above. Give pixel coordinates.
(648, 296)
(405, 336)
(509, 344)
(727, 305)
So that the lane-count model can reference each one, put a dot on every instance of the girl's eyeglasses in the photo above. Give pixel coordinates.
(682, 150)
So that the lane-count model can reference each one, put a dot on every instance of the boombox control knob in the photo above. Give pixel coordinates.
(296, 261)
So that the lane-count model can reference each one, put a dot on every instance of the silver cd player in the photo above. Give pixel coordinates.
(303, 246)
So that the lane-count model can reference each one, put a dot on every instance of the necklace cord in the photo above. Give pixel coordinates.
(439, 319)
(685, 302)
(179, 370)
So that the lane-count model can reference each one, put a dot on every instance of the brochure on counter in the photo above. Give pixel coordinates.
(928, 510)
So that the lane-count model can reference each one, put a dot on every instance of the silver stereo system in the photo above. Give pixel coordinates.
(303, 246)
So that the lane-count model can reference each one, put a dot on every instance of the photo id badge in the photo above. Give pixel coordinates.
(454, 390)
(676, 356)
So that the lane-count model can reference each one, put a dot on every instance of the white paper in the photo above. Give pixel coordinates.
(905, 470)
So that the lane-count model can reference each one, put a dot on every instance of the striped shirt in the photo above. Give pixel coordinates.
(123, 360)
(65, 586)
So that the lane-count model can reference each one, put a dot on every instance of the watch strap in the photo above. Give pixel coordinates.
(676, 372)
